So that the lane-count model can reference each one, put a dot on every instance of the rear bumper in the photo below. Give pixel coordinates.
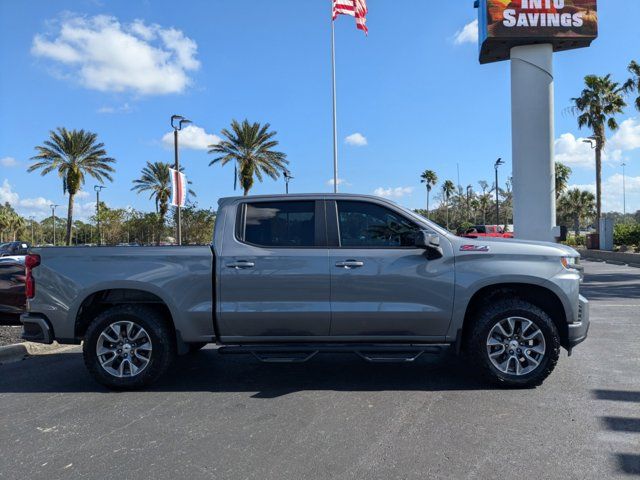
(578, 331)
(36, 329)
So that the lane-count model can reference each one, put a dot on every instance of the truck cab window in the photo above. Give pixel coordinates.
(370, 225)
(280, 224)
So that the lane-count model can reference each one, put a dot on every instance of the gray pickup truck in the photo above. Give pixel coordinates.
(287, 277)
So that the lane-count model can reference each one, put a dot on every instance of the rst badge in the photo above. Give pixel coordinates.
(474, 248)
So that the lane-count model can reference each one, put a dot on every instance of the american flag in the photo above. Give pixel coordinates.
(355, 8)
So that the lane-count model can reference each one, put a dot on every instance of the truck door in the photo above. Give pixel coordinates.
(274, 272)
(381, 284)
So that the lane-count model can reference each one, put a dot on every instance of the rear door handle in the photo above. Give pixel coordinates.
(241, 265)
(349, 264)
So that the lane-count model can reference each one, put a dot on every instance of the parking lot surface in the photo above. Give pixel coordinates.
(337, 416)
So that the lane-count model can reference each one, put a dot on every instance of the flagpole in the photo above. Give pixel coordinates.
(335, 114)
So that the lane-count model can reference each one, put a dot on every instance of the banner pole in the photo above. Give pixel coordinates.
(335, 117)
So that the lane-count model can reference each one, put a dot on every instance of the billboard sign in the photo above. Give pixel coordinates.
(566, 24)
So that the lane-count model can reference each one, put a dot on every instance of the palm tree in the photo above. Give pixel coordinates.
(562, 178)
(485, 203)
(73, 154)
(156, 178)
(596, 108)
(16, 224)
(448, 189)
(579, 205)
(429, 178)
(251, 147)
(4, 221)
(633, 84)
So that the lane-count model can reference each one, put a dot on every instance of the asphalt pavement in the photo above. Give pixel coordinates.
(338, 417)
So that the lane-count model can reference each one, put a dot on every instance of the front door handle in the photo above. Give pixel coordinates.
(241, 265)
(349, 264)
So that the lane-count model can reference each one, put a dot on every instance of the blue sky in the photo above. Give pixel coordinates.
(411, 96)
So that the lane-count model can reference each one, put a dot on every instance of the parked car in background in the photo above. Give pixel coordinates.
(487, 231)
(14, 248)
(12, 289)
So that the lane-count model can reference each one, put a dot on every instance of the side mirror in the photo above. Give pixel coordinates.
(430, 242)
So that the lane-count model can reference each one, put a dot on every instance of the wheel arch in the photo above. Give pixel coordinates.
(99, 300)
(540, 296)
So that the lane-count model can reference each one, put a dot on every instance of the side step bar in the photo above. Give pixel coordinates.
(304, 353)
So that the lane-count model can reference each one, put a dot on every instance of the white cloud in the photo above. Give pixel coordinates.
(40, 207)
(467, 34)
(192, 137)
(8, 162)
(105, 55)
(392, 192)
(356, 140)
(612, 193)
(574, 152)
(124, 108)
(627, 137)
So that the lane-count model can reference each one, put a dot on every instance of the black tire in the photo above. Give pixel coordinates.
(196, 347)
(162, 339)
(499, 310)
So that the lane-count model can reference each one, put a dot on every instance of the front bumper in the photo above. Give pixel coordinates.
(578, 330)
(36, 329)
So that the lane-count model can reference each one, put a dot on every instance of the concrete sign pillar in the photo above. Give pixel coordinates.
(527, 32)
(532, 108)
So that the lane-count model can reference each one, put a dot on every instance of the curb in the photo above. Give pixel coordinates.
(20, 351)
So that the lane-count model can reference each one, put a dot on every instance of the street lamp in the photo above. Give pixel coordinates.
(98, 189)
(176, 128)
(53, 218)
(287, 179)
(497, 165)
(624, 192)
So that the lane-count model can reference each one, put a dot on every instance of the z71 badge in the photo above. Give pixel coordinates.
(474, 248)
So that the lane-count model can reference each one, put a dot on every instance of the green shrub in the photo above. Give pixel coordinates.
(579, 241)
(626, 234)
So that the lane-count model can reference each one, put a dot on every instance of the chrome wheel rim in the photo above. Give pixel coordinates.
(124, 349)
(516, 346)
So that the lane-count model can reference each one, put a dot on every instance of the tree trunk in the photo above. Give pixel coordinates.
(428, 192)
(246, 191)
(598, 186)
(447, 210)
(576, 225)
(69, 219)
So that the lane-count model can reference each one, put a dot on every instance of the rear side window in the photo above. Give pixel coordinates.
(368, 225)
(280, 224)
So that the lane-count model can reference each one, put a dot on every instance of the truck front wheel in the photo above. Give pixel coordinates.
(128, 347)
(514, 343)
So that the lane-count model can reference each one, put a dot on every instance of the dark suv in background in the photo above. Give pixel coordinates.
(14, 248)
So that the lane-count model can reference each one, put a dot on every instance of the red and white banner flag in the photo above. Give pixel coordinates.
(354, 8)
(178, 188)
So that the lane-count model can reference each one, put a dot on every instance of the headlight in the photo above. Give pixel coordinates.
(572, 263)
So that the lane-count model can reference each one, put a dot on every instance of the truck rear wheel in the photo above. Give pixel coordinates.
(128, 347)
(514, 343)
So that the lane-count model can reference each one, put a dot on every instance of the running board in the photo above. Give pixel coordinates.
(304, 353)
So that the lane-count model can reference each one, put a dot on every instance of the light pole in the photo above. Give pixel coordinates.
(53, 219)
(624, 192)
(98, 189)
(176, 128)
(497, 165)
(287, 179)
